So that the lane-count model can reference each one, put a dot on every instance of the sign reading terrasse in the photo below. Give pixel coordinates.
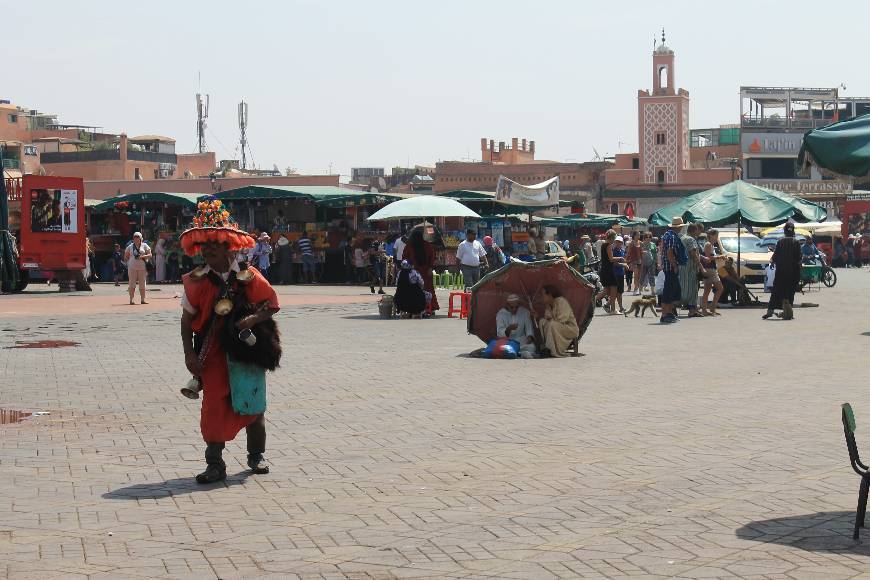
(805, 186)
(544, 194)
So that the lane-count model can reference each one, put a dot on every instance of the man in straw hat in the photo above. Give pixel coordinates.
(212, 294)
(514, 321)
(673, 256)
(262, 254)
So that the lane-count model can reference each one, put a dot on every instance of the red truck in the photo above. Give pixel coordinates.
(51, 228)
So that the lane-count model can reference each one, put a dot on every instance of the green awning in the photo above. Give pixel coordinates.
(752, 204)
(593, 221)
(359, 198)
(843, 148)
(324, 195)
(278, 192)
(182, 199)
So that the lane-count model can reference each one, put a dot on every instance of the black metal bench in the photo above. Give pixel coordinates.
(860, 468)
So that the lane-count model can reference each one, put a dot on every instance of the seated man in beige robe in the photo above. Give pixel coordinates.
(558, 326)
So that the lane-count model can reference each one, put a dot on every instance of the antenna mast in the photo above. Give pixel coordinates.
(201, 116)
(243, 125)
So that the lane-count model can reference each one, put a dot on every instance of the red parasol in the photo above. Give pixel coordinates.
(526, 279)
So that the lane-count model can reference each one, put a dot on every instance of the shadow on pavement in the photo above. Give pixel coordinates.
(818, 532)
(172, 487)
(367, 317)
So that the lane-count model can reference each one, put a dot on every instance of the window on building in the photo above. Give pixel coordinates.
(663, 77)
(635, 163)
(660, 176)
(771, 168)
(13, 119)
(660, 138)
(614, 208)
(136, 173)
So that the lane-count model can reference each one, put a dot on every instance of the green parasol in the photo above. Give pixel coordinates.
(740, 202)
(842, 148)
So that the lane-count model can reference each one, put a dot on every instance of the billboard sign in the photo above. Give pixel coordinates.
(544, 194)
(779, 144)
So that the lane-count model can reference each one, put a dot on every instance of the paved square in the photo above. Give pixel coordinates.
(705, 449)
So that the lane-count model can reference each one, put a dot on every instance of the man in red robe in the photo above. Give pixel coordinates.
(201, 323)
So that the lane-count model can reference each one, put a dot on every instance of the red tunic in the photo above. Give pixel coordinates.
(218, 422)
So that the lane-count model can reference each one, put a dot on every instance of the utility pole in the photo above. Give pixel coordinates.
(243, 125)
(4, 203)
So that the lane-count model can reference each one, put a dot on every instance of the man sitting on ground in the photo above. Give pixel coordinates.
(515, 322)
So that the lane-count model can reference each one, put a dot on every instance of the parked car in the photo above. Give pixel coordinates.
(754, 257)
(769, 242)
(555, 250)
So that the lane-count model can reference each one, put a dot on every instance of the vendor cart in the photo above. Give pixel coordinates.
(50, 232)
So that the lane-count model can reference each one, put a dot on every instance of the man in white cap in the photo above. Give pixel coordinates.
(515, 322)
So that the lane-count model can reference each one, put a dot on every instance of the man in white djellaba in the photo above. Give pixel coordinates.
(515, 322)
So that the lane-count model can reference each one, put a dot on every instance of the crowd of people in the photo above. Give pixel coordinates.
(684, 269)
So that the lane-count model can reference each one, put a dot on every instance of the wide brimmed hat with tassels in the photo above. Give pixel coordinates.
(213, 224)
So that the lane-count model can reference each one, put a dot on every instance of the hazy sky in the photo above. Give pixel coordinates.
(383, 83)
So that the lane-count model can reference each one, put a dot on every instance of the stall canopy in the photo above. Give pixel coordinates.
(592, 220)
(842, 148)
(325, 195)
(739, 201)
(827, 228)
(422, 206)
(182, 199)
(469, 196)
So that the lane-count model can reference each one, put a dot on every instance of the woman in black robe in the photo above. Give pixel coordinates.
(411, 297)
(787, 260)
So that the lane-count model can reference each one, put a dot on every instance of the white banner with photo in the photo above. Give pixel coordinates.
(544, 194)
(70, 211)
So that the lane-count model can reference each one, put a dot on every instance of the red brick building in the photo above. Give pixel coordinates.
(578, 181)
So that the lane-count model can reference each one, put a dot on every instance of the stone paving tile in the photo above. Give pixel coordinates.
(394, 456)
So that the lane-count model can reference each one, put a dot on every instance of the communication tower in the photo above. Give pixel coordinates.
(243, 125)
(201, 116)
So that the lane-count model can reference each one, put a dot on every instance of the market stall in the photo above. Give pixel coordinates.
(157, 215)
(508, 223)
(333, 217)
